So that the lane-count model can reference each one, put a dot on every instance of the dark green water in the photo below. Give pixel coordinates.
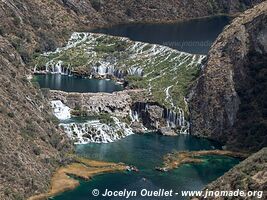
(145, 152)
(193, 36)
(76, 84)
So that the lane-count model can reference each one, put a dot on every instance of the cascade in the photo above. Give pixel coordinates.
(174, 120)
(57, 68)
(104, 70)
(60, 110)
(135, 71)
(96, 132)
(134, 116)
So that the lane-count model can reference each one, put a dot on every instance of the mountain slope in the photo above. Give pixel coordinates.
(42, 25)
(229, 100)
(30, 145)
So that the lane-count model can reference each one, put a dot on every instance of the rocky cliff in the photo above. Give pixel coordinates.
(229, 100)
(30, 145)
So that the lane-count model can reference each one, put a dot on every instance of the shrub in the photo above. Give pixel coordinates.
(29, 130)
(54, 120)
(106, 119)
(11, 114)
(16, 21)
(78, 111)
(45, 92)
(2, 32)
(24, 54)
(96, 4)
(36, 150)
(55, 140)
(47, 43)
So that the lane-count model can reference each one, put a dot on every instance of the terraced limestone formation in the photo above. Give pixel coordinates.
(167, 74)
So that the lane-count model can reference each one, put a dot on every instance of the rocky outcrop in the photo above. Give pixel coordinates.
(167, 131)
(116, 103)
(249, 175)
(162, 10)
(228, 102)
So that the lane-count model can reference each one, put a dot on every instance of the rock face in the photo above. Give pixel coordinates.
(249, 175)
(167, 131)
(229, 101)
(117, 103)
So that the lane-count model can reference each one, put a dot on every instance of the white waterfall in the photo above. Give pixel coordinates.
(56, 68)
(96, 132)
(134, 116)
(60, 110)
(174, 119)
(135, 71)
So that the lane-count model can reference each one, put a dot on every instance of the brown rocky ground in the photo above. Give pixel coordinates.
(31, 147)
(36, 25)
(229, 100)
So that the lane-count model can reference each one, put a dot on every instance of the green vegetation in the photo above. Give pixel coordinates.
(11, 114)
(106, 118)
(168, 74)
(36, 150)
(78, 111)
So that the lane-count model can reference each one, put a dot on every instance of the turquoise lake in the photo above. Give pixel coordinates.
(76, 84)
(146, 152)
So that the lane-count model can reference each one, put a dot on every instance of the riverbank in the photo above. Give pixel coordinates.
(176, 159)
(64, 178)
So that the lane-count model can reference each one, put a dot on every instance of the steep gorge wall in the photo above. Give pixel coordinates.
(229, 100)
(30, 145)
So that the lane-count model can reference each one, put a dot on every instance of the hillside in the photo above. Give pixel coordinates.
(229, 100)
(34, 25)
(31, 146)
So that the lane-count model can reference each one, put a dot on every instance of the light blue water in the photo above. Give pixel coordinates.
(76, 84)
(146, 152)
